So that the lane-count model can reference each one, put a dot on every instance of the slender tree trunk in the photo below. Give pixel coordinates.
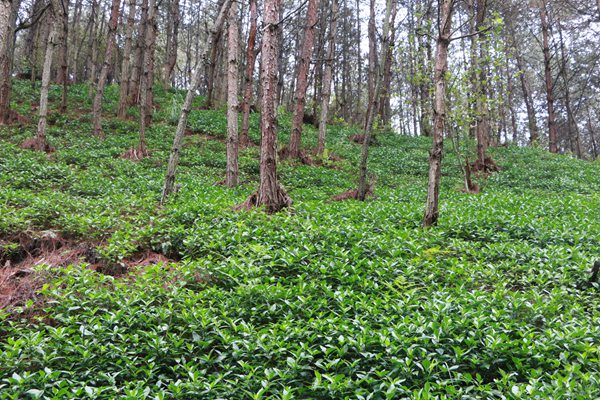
(93, 46)
(359, 65)
(384, 104)
(211, 65)
(73, 32)
(572, 127)
(435, 157)
(53, 42)
(327, 74)
(64, 64)
(552, 132)
(232, 97)
(302, 83)
(372, 63)
(172, 42)
(8, 18)
(110, 46)
(146, 80)
(127, 61)
(249, 75)
(363, 184)
(187, 106)
(138, 59)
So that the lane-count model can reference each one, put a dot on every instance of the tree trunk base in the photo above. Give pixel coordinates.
(487, 167)
(282, 200)
(135, 154)
(38, 145)
(353, 195)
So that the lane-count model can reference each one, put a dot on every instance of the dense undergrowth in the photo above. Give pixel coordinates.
(328, 300)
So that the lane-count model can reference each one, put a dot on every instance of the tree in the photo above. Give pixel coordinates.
(232, 97)
(8, 17)
(302, 79)
(169, 185)
(127, 61)
(110, 45)
(173, 18)
(327, 76)
(270, 193)
(374, 92)
(435, 156)
(249, 75)
(552, 132)
(40, 142)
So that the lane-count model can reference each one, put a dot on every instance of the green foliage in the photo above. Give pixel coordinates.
(330, 300)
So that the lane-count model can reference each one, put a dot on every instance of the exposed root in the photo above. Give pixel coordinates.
(470, 187)
(38, 144)
(282, 200)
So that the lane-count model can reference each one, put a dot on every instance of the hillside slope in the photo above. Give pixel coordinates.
(327, 300)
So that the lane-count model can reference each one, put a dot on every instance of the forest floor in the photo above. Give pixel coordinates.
(104, 294)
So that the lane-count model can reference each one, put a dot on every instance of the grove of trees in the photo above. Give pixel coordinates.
(487, 71)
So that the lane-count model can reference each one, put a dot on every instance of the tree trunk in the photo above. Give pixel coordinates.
(552, 133)
(146, 80)
(110, 45)
(138, 60)
(384, 104)
(53, 42)
(232, 97)
(363, 184)
(249, 75)
(172, 42)
(8, 18)
(270, 193)
(73, 52)
(93, 46)
(127, 62)
(187, 106)
(435, 157)
(64, 64)
(327, 74)
(572, 127)
(211, 64)
(372, 63)
(480, 78)
(302, 79)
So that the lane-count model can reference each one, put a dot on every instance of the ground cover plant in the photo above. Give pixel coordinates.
(116, 297)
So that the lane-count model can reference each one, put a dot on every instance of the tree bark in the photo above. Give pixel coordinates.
(172, 42)
(53, 42)
(127, 62)
(327, 74)
(110, 46)
(232, 97)
(302, 79)
(8, 18)
(147, 78)
(270, 193)
(552, 132)
(64, 64)
(187, 107)
(479, 82)
(93, 46)
(435, 157)
(249, 75)
(363, 184)
(138, 59)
